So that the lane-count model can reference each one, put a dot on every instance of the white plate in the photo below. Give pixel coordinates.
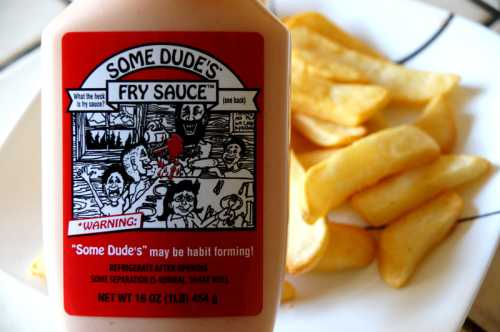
(440, 295)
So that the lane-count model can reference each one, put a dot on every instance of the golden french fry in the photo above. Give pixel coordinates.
(375, 234)
(350, 247)
(376, 123)
(438, 121)
(307, 153)
(353, 168)
(322, 25)
(397, 195)
(37, 267)
(346, 104)
(310, 158)
(306, 241)
(325, 133)
(302, 62)
(287, 292)
(406, 242)
(299, 143)
(407, 86)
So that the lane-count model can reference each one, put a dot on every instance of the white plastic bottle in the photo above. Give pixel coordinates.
(165, 165)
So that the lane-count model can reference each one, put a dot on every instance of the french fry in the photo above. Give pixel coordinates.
(353, 168)
(407, 86)
(325, 133)
(376, 123)
(345, 104)
(306, 241)
(303, 63)
(391, 198)
(375, 233)
(37, 267)
(287, 292)
(392, 176)
(299, 143)
(350, 247)
(438, 121)
(310, 158)
(307, 153)
(322, 25)
(405, 243)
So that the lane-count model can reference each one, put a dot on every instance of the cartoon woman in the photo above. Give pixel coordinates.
(113, 184)
(180, 206)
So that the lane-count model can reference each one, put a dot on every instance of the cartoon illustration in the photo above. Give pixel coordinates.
(181, 207)
(182, 166)
(172, 165)
(231, 204)
(139, 167)
(177, 152)
(234, 149)
(113, 183)
(190, 122)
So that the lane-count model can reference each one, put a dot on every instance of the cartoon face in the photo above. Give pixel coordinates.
(143, 162)
(114, 186)
(191, 115)
(232, 154)
(183, 203)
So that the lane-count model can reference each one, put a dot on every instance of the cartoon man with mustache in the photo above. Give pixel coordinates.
(113, 183)
(191, 120)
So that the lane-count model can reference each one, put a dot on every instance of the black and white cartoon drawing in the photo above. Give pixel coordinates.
(181, 165)
(181, 207)
(113, 183)
(190, 123)
(140, 168)
(234, 149)
(182, 160)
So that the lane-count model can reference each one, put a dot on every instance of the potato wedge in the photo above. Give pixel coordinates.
(345, 104)
(376, 123)
(353, 168)
(306, 241)
(407, 86)
(310, 158)
(395, 196)
(322, 25)
(307, 153)
(375, 233)
(287, 292)
(350, 247)
(302, 62)
(325, 133)
(37, 267)
(405, 243)
(438, 121)
(299, 143)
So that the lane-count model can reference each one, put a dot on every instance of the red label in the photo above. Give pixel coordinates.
(162, 156)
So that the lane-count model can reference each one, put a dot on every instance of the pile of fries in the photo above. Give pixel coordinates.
(399, 179)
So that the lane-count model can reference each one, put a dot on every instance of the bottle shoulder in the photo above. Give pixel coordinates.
(167, 15)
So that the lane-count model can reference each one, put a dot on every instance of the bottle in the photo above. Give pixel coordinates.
(165, 165)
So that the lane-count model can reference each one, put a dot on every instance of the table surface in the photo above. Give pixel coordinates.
(20, 77)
